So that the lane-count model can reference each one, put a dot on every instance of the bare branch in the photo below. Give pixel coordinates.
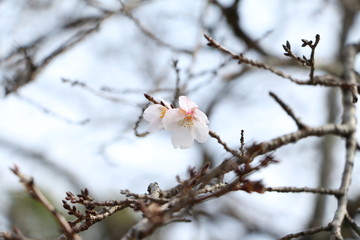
(349, 118)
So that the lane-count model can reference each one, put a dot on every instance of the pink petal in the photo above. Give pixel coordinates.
(186, 104)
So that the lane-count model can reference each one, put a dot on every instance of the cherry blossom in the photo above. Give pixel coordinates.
(154, 114)
(186, 124)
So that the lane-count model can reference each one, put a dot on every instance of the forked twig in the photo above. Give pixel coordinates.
(325, 80)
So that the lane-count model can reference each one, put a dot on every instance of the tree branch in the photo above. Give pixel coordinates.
(349, 119)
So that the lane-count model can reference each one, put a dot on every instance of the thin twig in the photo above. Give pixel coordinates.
(320, 190)
(99, 93)
(305, 61)
(221, 142)
(288, 110)
(177, 84)
(307, 232)
(78, 37)
(242, 143)
(137, 124)
(312, 56)
(151, 99)
(51, 112)
(151, 35)
(232, 16)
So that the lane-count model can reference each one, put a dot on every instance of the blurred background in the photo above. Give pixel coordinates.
(73, 74)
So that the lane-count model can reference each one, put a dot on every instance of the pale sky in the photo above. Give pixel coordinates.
(105, 155)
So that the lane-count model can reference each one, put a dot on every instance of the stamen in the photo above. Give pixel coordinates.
(163, 111)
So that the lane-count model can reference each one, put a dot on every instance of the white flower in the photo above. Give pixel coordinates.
(186, 124)
(154, 114)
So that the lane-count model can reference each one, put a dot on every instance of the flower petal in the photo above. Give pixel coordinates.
(154, 115)
(200, 116)
(186, 104)
(201, 132)
(172, 118)
(155, 125)
(182, 138)
(153, 112)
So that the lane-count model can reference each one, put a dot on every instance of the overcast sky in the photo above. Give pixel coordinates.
(41, 126)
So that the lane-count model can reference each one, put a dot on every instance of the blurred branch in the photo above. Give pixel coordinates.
(177, 83)
(32, 69)
(37, 194)
(137, 123)
(151, 35)
(50, 112)
(326, 164)
(349, 118)
(232, 17)
(102, 93)
(349, 9)
(16, 234)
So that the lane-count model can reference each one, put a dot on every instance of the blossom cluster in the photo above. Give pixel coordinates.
(186, 123)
